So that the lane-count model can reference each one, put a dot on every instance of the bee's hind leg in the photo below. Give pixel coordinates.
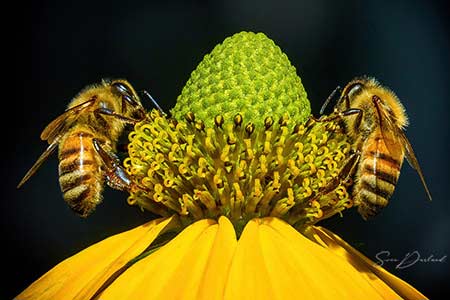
(116, 177)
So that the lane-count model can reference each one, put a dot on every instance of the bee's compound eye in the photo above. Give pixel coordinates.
(355, 90)
(121, 89)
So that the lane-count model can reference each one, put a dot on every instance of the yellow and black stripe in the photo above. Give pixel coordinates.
(80, 177)
(378, 176)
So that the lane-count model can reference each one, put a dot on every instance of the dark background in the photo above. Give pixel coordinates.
(56, 48)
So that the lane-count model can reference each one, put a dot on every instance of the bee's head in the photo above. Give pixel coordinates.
(367, 93)
(352, 90)
(130, 103)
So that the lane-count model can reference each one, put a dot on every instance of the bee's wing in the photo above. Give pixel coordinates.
(392, 135)
(413, 162)
(64, 121)
(53, 133)
(39, 161)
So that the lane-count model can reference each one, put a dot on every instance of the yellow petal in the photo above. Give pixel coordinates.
(172, 272)
(79, 276)
(271, 260)
(216, 272)
(375, 274)
(274, 261)
(285, 275)
(248, 276)
(324, 274)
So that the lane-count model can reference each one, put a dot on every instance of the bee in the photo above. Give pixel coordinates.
(87, 133)
(374, 119)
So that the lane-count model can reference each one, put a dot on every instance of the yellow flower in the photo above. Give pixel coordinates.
(240, 186)
(271, 260)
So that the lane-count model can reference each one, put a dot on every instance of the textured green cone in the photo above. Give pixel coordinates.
(246, 74)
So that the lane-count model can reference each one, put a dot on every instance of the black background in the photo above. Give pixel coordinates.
(55, 48)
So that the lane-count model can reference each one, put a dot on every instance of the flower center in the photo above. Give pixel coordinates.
(237, 169)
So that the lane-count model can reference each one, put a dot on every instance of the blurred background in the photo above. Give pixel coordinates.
(59, 47)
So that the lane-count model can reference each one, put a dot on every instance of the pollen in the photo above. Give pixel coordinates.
(236, 169)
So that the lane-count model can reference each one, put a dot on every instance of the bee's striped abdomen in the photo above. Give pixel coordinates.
(80, 177)
(378, 172)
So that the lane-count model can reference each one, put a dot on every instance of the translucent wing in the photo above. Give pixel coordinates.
(53, 133)
(64, 121)
(39, 161)
(413, 162)
(393, 136)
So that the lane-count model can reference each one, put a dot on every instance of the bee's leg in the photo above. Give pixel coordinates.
(339, 115)
(349, 168)
(351, 111)
(116, 177)
(358, 119)
(344, 175)
(108, 112)
(308, 125)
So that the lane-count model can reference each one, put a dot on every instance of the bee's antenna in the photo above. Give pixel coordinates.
(154, 102)
(325, 104)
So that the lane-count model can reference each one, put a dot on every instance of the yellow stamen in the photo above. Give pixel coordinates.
(237, 169)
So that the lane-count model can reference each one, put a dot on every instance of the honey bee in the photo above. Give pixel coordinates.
(87, 133)
(374, 119)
